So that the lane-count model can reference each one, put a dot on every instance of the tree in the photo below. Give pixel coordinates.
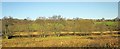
(103, 19)
(86, 26)
(101, 27)
(7, 24)
(42, 26)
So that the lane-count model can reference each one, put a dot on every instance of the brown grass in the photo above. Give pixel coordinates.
(63, 41)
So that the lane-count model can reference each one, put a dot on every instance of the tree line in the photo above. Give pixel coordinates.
(55, 24)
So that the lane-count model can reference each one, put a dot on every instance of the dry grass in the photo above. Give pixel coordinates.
(63, 41)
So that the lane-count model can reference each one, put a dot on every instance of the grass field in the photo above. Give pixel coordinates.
(63, 41)
(108, 23)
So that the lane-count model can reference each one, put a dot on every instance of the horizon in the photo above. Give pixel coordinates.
(69, 10)
(56, 15)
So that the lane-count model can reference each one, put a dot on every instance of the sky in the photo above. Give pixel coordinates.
(0, 10)
(86, 10)
(60, 0)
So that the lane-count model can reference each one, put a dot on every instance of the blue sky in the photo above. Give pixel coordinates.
(0, 10)
(60, 0)
(92, 10)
